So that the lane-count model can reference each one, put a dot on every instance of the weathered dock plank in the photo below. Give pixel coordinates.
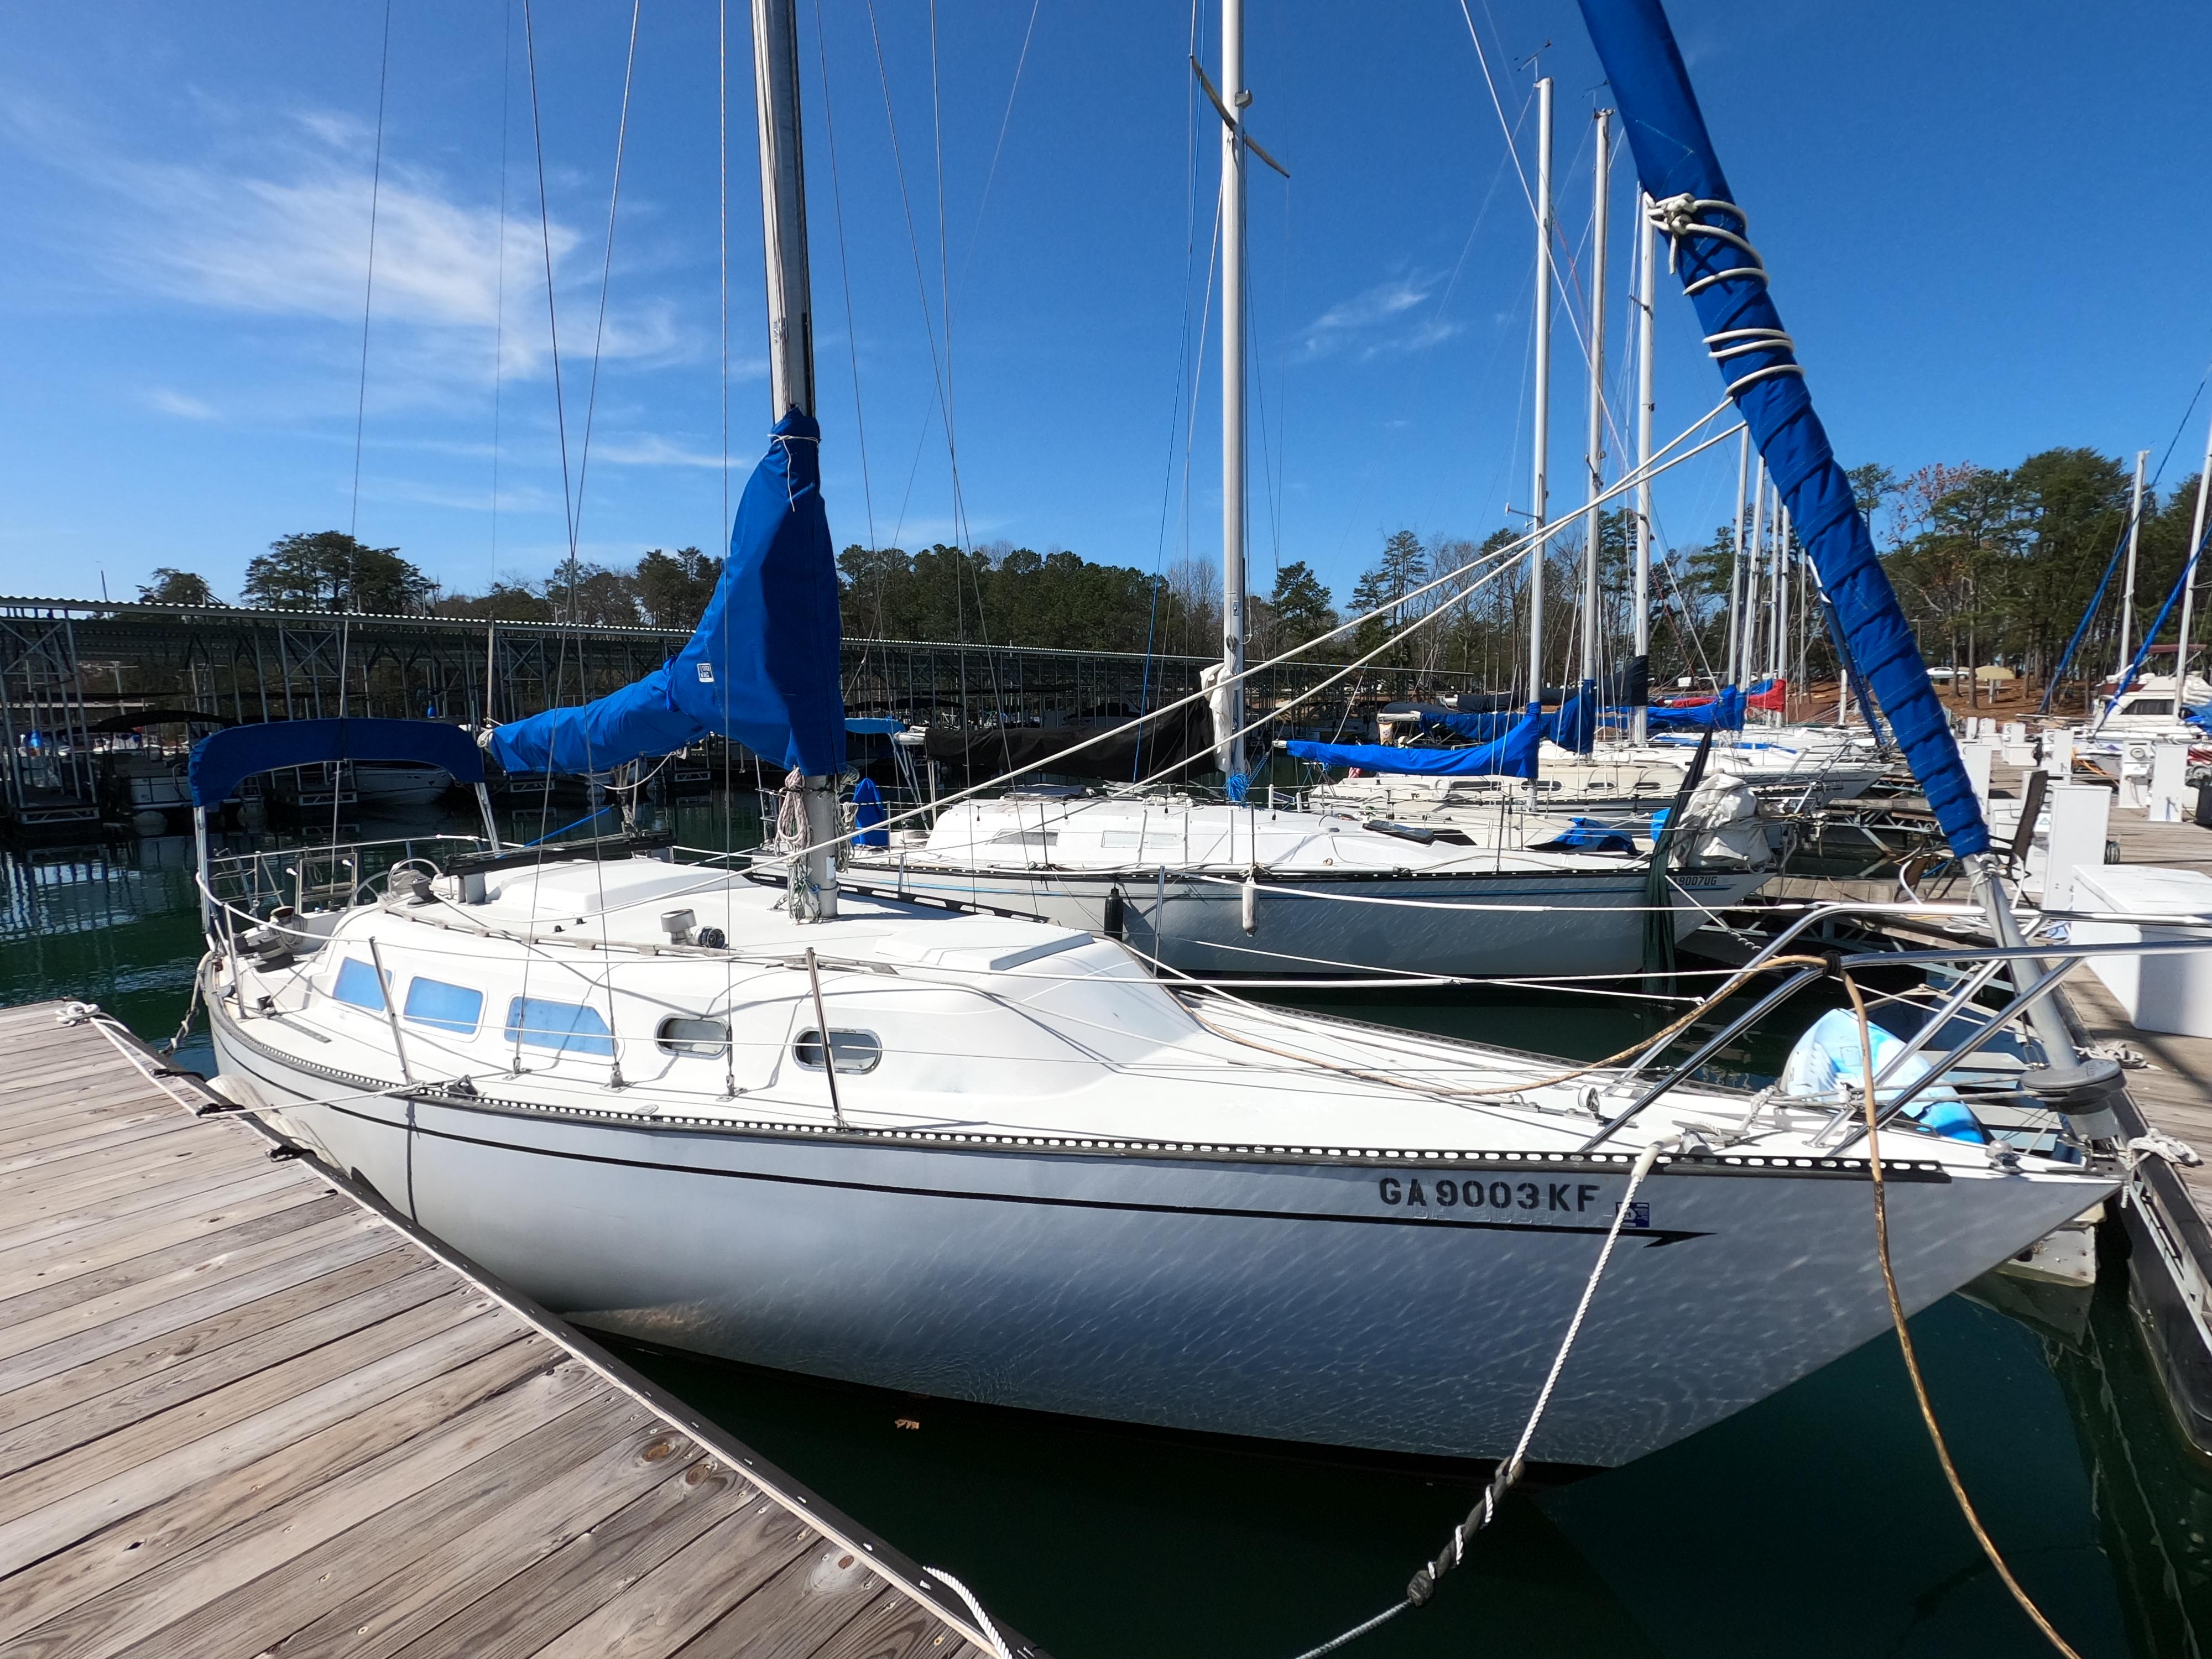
(245, 1409)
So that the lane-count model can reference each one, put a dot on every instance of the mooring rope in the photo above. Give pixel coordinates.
(1904, 1338)
(1424, 1583)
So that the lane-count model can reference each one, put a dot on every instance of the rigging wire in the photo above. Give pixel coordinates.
(845, 277)
(606, 276)
(368, 284)
(975, 237)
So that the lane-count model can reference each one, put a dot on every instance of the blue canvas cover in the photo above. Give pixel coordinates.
(1575, 726)
(761, 669)
(1723, 714)
(222, 760)
(1513, 755)
(1477, 728)
(868, 815)
(1570, 725)
(1675, 155)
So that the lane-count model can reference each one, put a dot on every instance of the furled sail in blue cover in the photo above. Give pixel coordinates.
(761, 669)
(1723, 714)
(1570, 726)
(1722, 276)
(1513, 755)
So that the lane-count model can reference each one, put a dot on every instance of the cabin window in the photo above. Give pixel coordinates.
(454, 1008)
(564, 1027)
(2150, 706)
(357, 985)
(1122, 838)
(854, 1051)
(679, 1035)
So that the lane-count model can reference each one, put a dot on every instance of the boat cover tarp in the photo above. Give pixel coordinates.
(1674, 156)
(870, 725)
(1513, 755)
(1579, 730)
(1721, 714)
(868, 815)
(222, 760)
(132, 721)
(761, 668)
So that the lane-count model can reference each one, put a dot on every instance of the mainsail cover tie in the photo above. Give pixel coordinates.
(1727, 282)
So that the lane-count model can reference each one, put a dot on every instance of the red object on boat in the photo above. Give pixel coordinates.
(1776, 697)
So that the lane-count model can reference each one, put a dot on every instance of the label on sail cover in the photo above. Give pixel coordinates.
(706, 673)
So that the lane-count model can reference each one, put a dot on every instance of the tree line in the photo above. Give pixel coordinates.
(1991, 565)
(329, 570)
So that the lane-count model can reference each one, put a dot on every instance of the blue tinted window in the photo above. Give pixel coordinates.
(357, 985)
(449, 1007)
(567, 1026)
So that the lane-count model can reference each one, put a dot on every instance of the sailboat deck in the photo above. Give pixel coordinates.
(243, 1409)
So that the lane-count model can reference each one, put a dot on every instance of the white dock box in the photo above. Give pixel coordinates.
(2170, 992)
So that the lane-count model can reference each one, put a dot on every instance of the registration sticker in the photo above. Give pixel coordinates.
(1639, 1214)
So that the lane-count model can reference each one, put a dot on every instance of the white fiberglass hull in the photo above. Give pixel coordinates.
(1399, 1301)
(1513, 923)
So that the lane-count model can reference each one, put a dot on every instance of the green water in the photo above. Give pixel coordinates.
(1814, 1524)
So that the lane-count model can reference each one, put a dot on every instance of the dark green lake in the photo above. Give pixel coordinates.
(1814, 1524)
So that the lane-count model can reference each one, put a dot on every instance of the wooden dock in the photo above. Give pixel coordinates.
(246, 1410)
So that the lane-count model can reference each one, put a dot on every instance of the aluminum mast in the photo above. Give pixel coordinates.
(1647, 246)
(1541, 438)
(790, 320)
(1228, 700)
(2128, 587)
(1594, 452)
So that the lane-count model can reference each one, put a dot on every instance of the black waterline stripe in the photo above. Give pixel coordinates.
(1655, 1237)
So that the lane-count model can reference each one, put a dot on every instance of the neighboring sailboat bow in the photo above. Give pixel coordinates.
(1725, 279)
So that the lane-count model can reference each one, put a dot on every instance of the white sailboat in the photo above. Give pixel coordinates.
(866, 1138)
(1487, 892)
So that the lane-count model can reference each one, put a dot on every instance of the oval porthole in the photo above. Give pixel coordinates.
(679, 1036)
(854, 1051)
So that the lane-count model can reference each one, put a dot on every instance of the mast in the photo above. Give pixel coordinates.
(1736, 561)
(1754, 570)
(2128, 587)
(1541, 441)
(783, 209)
(1594, 451)
(790, 323)
(1647, 245)
(1229, 704)
(2189, 580)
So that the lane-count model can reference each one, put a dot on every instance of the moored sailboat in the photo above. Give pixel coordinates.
(865, 1138)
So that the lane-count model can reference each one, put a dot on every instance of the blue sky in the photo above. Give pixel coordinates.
(1986, 223)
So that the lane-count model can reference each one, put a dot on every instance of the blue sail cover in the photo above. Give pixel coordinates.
(222, 760)
(1674, 156)
(1478, 728)
(761, 669)
(1513, 755)
(1569, 725)
(1723, 714)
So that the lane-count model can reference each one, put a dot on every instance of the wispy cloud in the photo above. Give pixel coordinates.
(184, 407)
(650, 449)
(1379, 320)
(284, 232)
